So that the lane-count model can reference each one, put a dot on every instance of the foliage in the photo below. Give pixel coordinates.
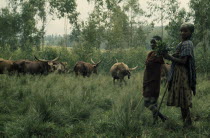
(173, 28)
(200, 10)
(134, 12)
(110, 27)
(69, 106)
(10, 24)
(162, 48)
(55, 40)
(162, 10)
(202, 60)
(21, 19)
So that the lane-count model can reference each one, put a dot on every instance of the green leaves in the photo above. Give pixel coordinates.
(162, 48)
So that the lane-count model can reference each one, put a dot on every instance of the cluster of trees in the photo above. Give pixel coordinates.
(57, 40)
(19, 21)
(112, 24)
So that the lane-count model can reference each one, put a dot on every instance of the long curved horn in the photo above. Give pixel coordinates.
(40, 59)
(131, 69)
(99, 62)
(10, 58)
(57, 58)
(92, 61)
(116, 60)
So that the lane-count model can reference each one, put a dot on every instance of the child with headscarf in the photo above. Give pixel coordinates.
(182, 76)
(151, 80)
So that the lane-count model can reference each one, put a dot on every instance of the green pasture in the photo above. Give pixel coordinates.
(62, 105)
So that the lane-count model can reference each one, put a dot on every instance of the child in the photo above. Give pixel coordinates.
(182, 76)
(151, 80)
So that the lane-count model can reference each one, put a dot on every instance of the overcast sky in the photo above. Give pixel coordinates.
(57, 26)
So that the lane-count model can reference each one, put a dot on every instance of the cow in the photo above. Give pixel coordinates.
(6, 66)
(59, 67)
(119, 70)
(56, 66)
(86, 69)
(165, 68)
(34, 67)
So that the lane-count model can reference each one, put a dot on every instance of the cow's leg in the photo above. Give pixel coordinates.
(121, 82)
(88, 74)
(76, 73)
(84, 74)
(125, 82)
(114, 81)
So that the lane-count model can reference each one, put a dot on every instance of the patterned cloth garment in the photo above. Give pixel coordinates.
(185, 48)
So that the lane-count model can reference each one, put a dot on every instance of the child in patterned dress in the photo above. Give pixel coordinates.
(182, 76)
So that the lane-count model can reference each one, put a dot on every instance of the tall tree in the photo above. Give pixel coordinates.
(201, 10)
(33, 12)
(134, 12)
(162, 10)
(10, 24)
(174, 24)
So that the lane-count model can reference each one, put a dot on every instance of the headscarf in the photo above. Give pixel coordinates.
(189, 26)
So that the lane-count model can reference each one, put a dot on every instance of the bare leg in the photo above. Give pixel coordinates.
(186, 117)
(151, 104)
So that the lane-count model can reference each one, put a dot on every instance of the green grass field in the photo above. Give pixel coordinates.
(68, 106)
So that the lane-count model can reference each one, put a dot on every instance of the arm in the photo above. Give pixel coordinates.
(182, 60)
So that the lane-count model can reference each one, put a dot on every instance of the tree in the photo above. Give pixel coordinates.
(10, 24)
(163, 10)
(32, 11)
(134, 13)
(118, 29)
(201, 16)
(174, 24)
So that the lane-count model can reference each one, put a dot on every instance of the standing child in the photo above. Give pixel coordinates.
(182, 76)
(151, 80)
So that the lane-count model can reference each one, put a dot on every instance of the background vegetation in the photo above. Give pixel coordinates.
(66, 106)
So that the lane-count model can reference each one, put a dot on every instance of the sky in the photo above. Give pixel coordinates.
(56, 26)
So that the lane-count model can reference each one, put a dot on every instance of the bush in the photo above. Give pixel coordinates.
(202, 60)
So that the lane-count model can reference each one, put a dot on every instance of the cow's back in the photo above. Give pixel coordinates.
(5, 65)
(118, 69)
(80, 68)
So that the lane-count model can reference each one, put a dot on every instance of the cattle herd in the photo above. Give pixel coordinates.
(40, 66)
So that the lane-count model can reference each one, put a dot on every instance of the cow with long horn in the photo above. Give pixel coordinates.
(34, 67)
(119, 70)
(55, 65)
(86, 69)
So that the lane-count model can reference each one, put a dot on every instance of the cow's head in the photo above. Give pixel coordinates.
(59, 67)
(129, 71)
(95, 66)
(51, 63)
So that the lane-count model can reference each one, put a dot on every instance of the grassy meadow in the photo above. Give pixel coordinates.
(62, 105)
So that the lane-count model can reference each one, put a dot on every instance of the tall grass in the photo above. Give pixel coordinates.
(68, 106)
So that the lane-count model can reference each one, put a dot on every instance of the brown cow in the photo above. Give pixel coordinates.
(59, 67)
(119, 70)
(6, 66)
(34, 67)
(165, 68)
(56, 66)
(86, 69)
